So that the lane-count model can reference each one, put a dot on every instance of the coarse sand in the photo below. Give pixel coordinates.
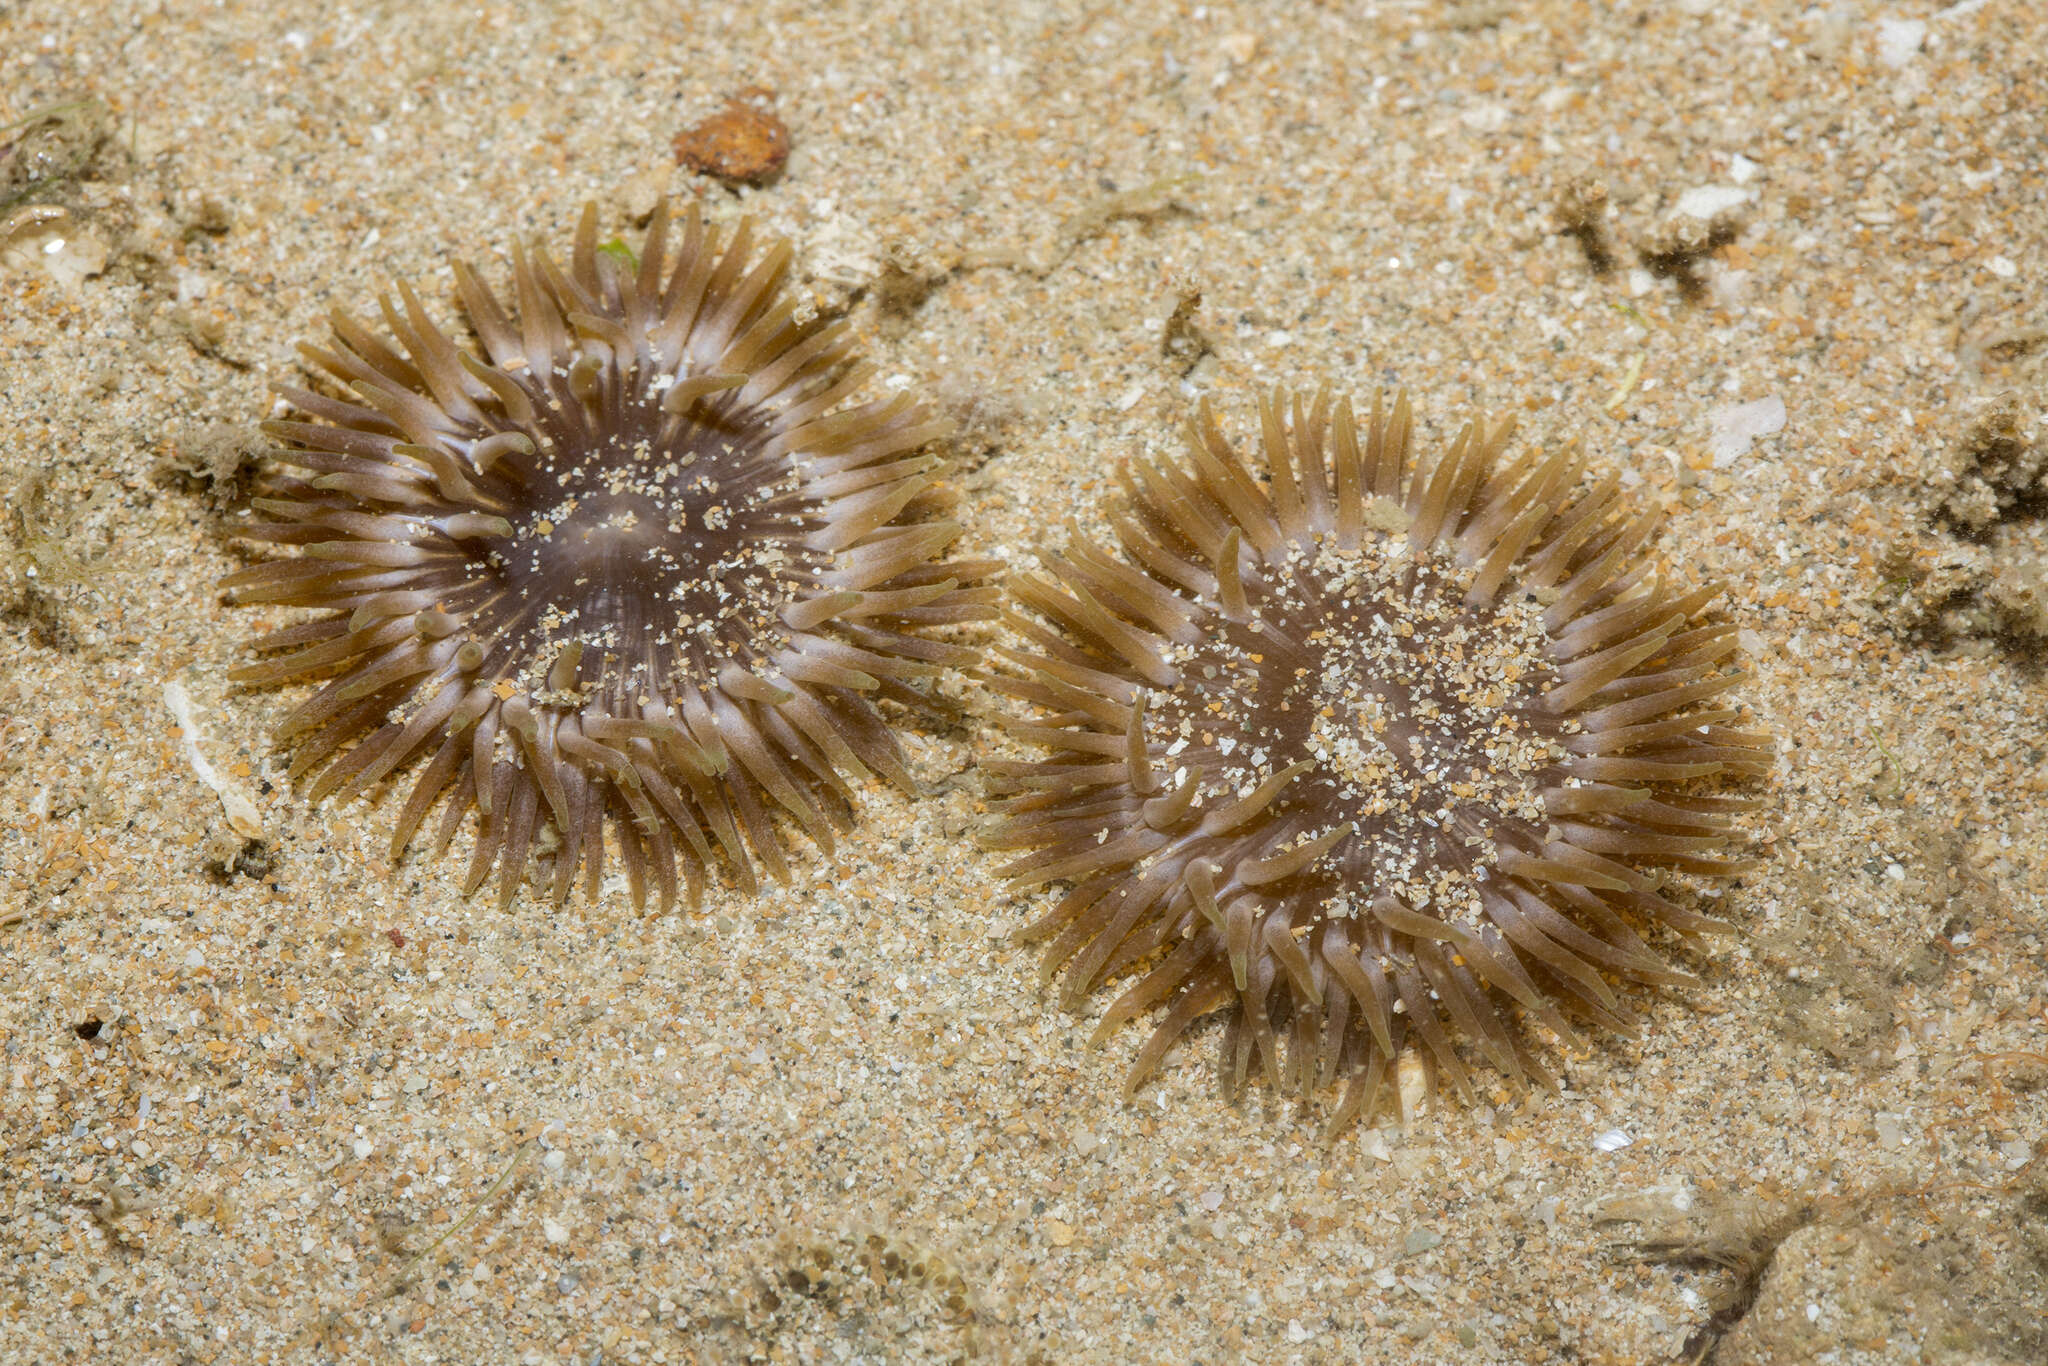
(1784, 268)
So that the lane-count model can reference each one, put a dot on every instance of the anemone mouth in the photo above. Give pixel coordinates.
(1375, 750)
(637, 566)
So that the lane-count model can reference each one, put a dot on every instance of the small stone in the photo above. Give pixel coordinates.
(1708, 202)
(1296, 1333)
(1736, 426)
(1898, 40)
(642, 192)
(1419, 1241)
(2001, 267)
(362, 1147)
(556, 1233)
(1059, 1234)
(746, 143)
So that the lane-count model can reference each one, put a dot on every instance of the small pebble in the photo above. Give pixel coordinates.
(1736, 426)
(745, 143)
(1419, 1241)
(1899, 40)
(1706, 202)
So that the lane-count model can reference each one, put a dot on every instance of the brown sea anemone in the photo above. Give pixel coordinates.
(1374, 750)
(639, 567)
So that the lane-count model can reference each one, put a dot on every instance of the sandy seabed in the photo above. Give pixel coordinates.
(277, 1100)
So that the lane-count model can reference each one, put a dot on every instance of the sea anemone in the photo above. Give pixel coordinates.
(638, 567)
(1371, 752)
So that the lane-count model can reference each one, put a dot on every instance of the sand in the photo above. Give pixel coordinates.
(278, 1100)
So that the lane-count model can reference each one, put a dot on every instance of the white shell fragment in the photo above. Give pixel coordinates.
(1899, 39)
(1708, 202)
(241, 811)
(1612, 1141)
(1738, 425)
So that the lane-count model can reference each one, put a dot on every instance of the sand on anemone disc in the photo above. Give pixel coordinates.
(639, 565)
(1368, 752)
